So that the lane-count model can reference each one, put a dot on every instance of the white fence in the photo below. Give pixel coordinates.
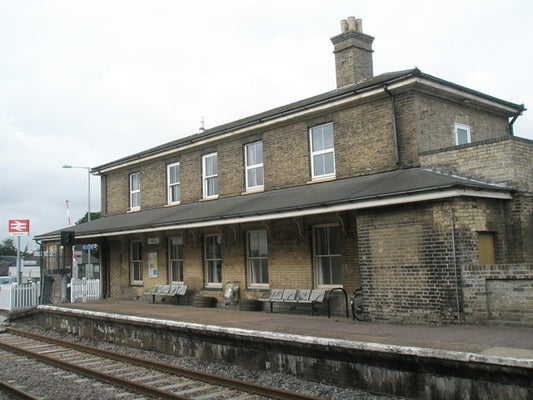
(19, 296)
(84, 289)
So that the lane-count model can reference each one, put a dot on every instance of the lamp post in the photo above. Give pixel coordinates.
(88, 206)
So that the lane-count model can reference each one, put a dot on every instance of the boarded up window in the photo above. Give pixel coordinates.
(486, 248)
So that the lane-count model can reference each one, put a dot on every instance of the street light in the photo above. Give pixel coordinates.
(88, 208)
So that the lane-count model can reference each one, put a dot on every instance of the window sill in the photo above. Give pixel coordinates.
(173, 204)
(209, 198)
(252, 191)
(329, 287)
(320, 180)
(212, 288)
(132, 210)
(256, 289)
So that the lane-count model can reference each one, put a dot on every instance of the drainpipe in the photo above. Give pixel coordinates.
(394, 126)
(515, 117)
(452, 225)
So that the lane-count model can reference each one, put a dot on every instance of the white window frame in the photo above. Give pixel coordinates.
(252, 259)
(172, 258)
(213, 262)
(316, 257)
(207, 178)
(322, 152)
(463, 128)
(172, 185)
(136, 264)
(255, 168)
(135, 191)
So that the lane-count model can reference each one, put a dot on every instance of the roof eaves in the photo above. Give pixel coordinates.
(516, 107)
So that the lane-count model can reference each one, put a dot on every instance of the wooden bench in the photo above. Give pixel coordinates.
(299, 296)
(176, 291)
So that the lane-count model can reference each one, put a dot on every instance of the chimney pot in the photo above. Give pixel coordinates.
(351, 23)
(359, 25)
(344, 25)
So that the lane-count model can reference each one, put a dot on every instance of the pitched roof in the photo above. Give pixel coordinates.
(379, 81)
(394, 187)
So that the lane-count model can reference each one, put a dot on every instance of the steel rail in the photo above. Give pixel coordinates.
(252, 388)
(16, 392)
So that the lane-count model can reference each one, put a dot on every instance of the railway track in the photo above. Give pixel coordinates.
(133, 374)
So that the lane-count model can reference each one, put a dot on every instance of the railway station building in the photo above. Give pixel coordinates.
(405, 185)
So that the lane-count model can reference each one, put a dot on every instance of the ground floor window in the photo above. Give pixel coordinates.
(176, 259)
(212, 261)
(327, 255)
(136, 262)
(257, 258)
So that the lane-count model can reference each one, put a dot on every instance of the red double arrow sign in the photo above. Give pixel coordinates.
(19, 227)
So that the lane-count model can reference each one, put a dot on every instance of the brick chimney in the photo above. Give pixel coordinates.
(353, 53)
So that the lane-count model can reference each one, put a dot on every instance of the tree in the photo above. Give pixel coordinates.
(7, 248)
(94, 215)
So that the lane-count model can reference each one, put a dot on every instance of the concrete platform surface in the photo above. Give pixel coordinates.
(498, 341)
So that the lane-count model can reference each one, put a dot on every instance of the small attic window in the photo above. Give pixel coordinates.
(462, 134)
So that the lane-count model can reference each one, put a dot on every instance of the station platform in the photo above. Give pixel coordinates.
(502, 342)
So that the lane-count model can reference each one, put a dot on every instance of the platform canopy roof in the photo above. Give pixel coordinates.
(396, 187)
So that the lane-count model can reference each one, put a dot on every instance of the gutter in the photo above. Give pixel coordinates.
(515, 117)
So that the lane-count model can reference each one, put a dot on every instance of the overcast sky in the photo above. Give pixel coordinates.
(88, 82)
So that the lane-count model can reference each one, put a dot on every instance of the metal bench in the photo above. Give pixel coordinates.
(176, 291)
(303, 296)
(274, 296)
(315, 296)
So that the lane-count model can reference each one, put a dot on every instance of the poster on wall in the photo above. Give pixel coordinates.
(152, 265)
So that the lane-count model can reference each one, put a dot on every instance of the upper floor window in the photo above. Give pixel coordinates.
(462, 134)
(175, 257)
(135, 191)
(257, 258)
(322, 151)
(327, 249)
(173, 183)
(136, 262)
(210, 175)
(254, 165)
